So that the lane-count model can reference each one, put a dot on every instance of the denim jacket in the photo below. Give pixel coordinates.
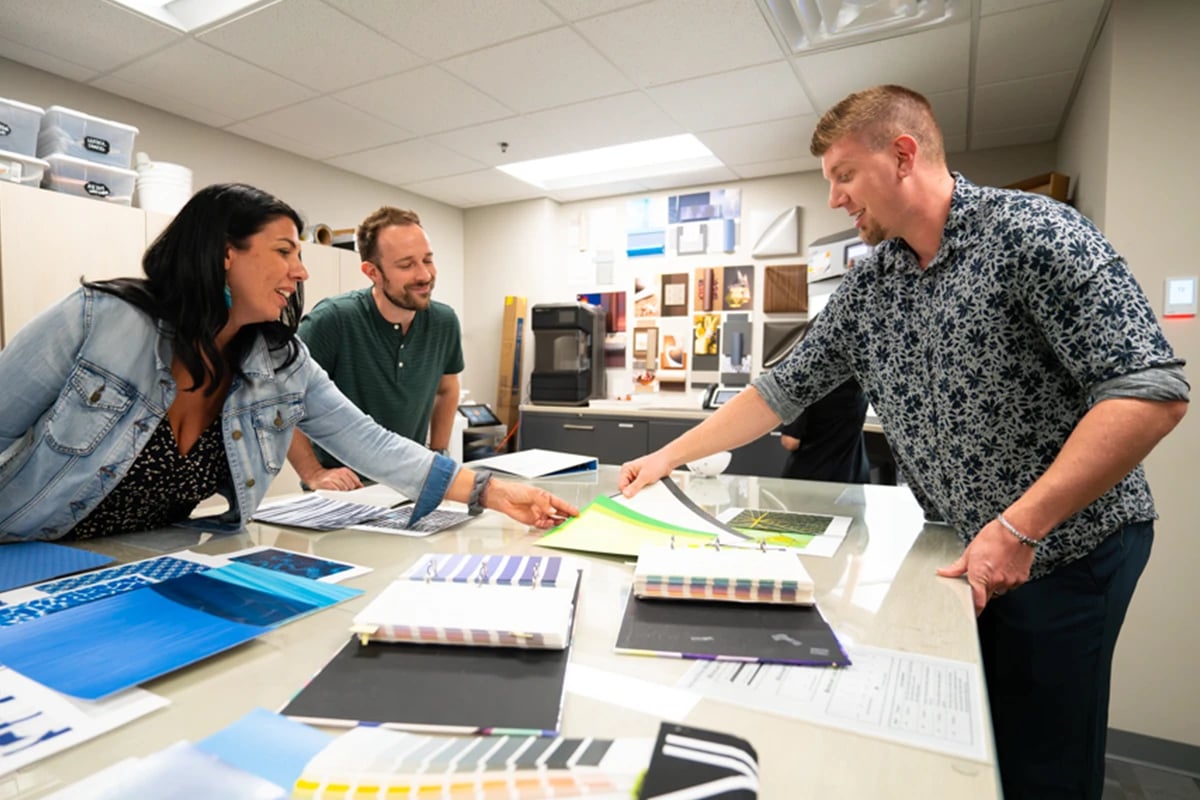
(85, 384)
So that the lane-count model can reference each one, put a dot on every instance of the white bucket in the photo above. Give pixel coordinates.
(162, 187)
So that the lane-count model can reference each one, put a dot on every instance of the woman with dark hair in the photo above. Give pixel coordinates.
(132, 400)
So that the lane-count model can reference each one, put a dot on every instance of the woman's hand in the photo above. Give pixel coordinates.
(641, 472)
(340, 479)
(527, 504)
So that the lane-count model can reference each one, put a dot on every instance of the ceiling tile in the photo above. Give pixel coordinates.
(766, 141)
(212, 80)
(475, 189)
(44, 61)
(407, 162)
(754, 94)
(425, 100)
(540, 71)
(284, 37)
(526, 141)
(446, 28)
(672, 40)
(579, 9)
(1013, 136)
(91, 33)
(166, 100)
(596, 123)
(906, 60)
(1052, 37)
(988, 7)
(629, 117)
(592, 192)
(763, 169)
(698, 178)
(1022, 104)
(320, 128)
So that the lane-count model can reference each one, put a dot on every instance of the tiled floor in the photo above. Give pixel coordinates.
(1126, 780)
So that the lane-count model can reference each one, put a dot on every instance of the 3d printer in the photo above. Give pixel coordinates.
(568, 354)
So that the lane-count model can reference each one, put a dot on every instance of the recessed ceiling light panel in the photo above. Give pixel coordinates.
(671, 155)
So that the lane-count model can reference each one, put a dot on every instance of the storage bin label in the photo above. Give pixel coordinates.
(96, 189)
(96, 145)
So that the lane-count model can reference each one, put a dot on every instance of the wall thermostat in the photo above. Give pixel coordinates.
(1180, 297)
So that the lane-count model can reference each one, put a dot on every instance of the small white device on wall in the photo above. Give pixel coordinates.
(1179, 297)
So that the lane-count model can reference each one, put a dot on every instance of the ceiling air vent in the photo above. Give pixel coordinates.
(808, 25)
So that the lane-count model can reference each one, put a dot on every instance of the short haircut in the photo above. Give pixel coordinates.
(877, 116)
(385, 217)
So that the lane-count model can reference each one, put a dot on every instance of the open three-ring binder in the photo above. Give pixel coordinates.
(730, 574)
(480, 600)
(753, 604)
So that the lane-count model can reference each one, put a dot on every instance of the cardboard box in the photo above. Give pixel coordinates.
(512, 332)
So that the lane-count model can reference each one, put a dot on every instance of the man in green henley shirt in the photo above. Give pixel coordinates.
(390, 348)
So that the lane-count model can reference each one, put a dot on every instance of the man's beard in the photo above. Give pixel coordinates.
(407, 301)
(872, 233)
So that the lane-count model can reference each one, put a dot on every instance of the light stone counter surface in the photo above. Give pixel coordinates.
(879, 589)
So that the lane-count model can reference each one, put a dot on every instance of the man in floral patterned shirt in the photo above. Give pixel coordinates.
(1021, 378)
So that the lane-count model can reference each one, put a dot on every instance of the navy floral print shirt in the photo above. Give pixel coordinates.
(981, 365)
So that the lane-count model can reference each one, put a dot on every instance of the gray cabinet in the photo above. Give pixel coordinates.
(764, 456)
(617, 439)
(611, 440)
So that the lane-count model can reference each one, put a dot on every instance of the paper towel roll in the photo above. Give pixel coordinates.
(319, 233)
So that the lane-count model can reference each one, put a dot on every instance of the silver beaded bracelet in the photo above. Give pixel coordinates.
(1022, 538)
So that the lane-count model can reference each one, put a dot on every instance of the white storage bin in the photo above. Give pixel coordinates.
(22, 169)
(19, 127)
(73, 133)
(88, 179)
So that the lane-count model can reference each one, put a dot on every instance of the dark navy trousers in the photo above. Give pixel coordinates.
(1047, 655)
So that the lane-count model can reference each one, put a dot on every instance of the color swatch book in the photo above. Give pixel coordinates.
(712, 630)
(115, 642)
(374, 763)
(810, 534)
(722, 573)
(438, 687)
(481, 600)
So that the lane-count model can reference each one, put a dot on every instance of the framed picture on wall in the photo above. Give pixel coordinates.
(645, 342)
(674, 302)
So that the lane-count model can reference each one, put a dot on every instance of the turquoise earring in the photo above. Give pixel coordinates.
(228, 297)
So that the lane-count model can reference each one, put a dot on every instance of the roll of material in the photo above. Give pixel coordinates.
(319, 233)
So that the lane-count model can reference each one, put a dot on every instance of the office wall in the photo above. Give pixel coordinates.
(321, 193)
(1083, 142)
(522, 248)
(1149, 204)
